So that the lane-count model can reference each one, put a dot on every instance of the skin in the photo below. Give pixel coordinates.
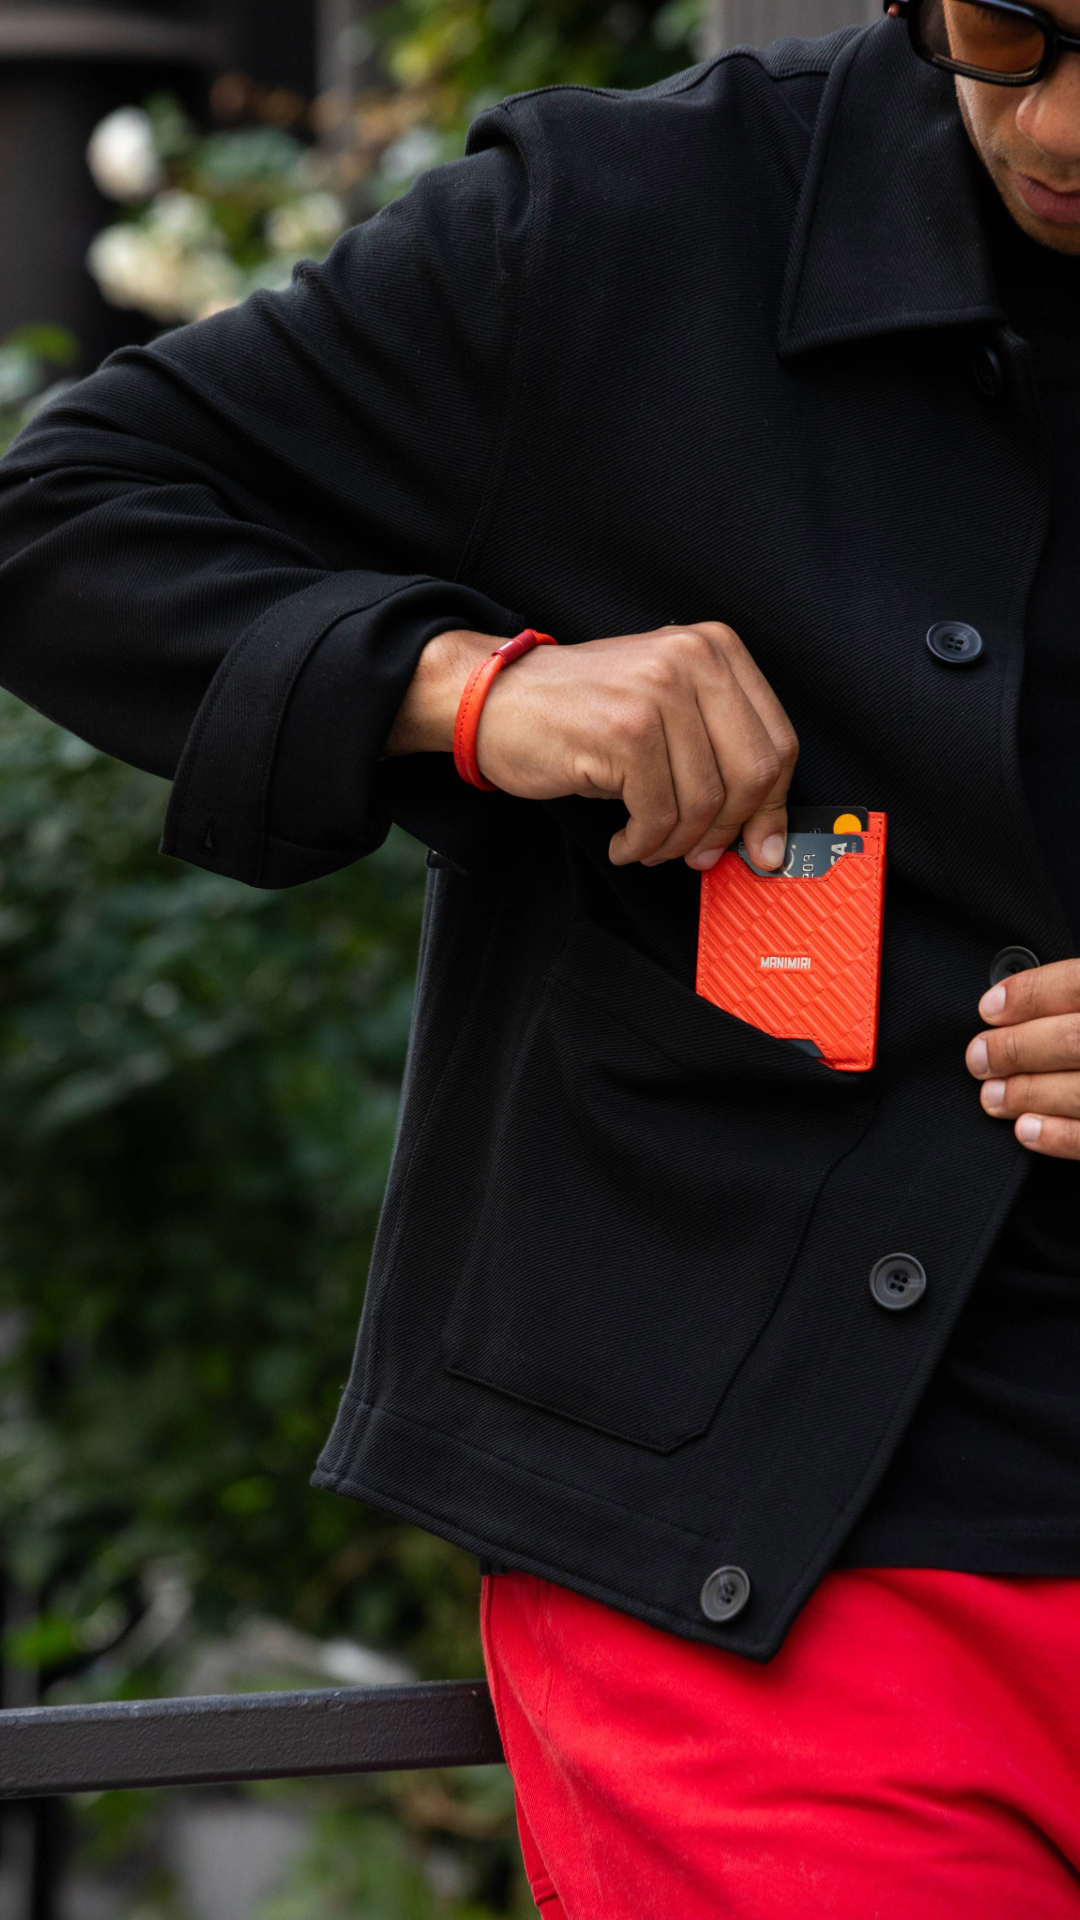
(681, 726)
(1028, 139)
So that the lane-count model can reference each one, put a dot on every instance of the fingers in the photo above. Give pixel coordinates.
(724, 767)
(1045, 1108)
(1058, 1139)
(765, 832)
(1027, 996)
(699, 758)
(679, 723)
(648, 795)
(1055, 1094)
(760, 695)
(731, 749)
(1029, 1063)
(698, 785)
(761, 740)
(1040, 1046)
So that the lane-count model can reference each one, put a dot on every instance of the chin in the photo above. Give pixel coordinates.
(1049, 233)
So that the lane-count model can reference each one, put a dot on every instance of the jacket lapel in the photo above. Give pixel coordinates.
(887, 236)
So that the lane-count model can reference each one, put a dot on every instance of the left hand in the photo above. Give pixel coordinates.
(1029, 1060)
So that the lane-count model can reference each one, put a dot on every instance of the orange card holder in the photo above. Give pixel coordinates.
(800, 959)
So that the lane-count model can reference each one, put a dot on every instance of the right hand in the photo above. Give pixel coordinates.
(678, 724)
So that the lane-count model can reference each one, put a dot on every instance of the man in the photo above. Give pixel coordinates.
(789, 342)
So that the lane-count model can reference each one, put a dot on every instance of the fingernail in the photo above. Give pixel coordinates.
(772, 850)
(978, 1058)
(992, 1003)
(993, 1095)
(707, 860)
(1028, 1129)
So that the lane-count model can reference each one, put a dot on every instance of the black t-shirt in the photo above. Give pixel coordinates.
(988, 1477)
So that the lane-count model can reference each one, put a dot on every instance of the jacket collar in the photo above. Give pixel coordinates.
(888, 234)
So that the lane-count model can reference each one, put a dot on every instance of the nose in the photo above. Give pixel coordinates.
(1049, 114)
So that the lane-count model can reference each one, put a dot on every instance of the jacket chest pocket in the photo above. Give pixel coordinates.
(654, 1169)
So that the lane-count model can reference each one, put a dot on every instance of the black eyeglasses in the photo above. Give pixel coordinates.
(1001, 41)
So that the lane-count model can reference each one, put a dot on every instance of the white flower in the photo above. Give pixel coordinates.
(307, 225)
(172, 263)
(183, 219)
(122, 156)
(115, 259)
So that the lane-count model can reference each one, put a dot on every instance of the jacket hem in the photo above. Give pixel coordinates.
(429, 1458)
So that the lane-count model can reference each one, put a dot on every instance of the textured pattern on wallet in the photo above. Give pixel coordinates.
(800, 959)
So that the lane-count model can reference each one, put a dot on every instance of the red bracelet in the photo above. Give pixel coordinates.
(471, 704)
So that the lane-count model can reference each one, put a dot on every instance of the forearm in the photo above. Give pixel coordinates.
(180, 625)
(194, 643)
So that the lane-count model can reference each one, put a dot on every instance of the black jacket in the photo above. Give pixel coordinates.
(728, 349)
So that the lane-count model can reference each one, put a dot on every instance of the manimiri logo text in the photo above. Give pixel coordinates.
(785, 962)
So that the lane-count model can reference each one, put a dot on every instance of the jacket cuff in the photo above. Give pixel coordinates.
(276, 781)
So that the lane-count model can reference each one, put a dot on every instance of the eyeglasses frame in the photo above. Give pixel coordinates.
(1056, 39)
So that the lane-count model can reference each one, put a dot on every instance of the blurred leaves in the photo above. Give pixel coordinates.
(477, 51)
(198, 1088)
(210, 218)
(424, 1846)
(447, 60)
(30, 362)
(213, 216)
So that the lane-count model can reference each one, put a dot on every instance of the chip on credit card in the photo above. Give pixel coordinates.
(817, 838)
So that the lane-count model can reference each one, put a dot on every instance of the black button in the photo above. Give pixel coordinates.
(897, 1282)
(725, 1594)
(987, 369)
(1009, 961)
(958, 645)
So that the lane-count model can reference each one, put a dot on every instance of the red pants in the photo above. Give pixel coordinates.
(912, 1753)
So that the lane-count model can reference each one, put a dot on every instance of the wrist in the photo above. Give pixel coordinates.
(425, 720)
(471, 707)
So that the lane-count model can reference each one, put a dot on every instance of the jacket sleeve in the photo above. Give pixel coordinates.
(221, 556)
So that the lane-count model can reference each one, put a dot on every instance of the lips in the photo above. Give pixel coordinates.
(1047, 203)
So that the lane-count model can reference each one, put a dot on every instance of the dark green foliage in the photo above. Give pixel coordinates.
(411, 1847)
(487, 48)
(197, 1097)
(32, 360)
(451, 58)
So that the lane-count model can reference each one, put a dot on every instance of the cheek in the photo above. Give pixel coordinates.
(989, 114)
(1048, 116)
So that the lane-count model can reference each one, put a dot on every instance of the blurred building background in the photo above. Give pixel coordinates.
(198, 1082)
(65, 64)
(756, 22)
(62, 68)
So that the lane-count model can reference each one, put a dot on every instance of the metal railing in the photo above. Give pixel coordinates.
(47, 1752)
(245, 1736)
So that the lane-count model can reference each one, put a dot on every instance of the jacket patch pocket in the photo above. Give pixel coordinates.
(654, 1169)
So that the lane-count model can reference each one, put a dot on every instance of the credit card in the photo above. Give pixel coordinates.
(808, 855)
(835, 820)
